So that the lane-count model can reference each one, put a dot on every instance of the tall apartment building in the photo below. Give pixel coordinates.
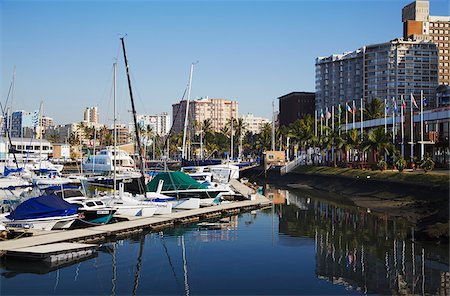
(385, 71)
(419, 25)
(339, 77)
(220, 111)
(159, 123)
(253, 123)
(90, 114)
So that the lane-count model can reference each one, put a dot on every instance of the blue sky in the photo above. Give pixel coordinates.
(250, 51)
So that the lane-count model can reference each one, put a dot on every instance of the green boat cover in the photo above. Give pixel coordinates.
(174, 181)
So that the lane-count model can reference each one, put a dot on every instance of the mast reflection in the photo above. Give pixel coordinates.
(368, 252)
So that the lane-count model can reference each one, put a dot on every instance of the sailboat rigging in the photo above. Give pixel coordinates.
(141, 184)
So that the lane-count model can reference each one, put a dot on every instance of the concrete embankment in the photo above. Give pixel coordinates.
(422, 198)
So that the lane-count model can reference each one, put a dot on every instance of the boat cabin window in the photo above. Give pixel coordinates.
(69, 193)
(99, 203)
(90, 204)
(199, 178)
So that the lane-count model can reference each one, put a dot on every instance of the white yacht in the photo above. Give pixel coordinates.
(103, 162)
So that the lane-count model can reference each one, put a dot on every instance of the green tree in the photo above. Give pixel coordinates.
(373, 109)
(379, 143)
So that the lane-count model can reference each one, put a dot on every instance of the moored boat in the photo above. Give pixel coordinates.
(46, 212)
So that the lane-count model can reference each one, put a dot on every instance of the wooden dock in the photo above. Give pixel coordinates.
(121, 229)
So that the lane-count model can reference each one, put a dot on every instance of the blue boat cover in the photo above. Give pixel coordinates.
(43, 207)
(8, 171)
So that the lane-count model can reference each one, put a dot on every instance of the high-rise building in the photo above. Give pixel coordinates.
(219, 111)
(90, 114)
(419, 25)
(385, 71)
(253, 123)
(159, 123)
(21, 124)
(294, 106)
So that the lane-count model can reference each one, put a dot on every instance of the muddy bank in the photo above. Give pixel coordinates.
(426, 207)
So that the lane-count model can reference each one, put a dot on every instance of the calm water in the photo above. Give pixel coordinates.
(303, 245)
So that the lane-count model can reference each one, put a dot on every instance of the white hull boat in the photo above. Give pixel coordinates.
(49, 223)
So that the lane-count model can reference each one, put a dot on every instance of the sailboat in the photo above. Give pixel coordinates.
(125, 203)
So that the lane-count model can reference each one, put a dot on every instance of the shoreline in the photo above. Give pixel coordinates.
(423, 205)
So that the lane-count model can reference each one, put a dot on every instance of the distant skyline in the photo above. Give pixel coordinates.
(249, 51)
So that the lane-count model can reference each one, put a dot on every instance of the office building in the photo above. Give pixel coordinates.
(294, 106)
(418, 24)
(219, 111)
(253, 123)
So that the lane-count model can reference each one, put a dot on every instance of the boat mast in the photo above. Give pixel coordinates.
(183, 151)
(136, 129)
(115, 132)
(38, 128)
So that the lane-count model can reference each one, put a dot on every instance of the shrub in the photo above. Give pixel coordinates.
(382, 165)
(400, 163)
(427, 164)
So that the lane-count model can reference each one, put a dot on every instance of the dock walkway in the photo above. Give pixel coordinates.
(110, 231)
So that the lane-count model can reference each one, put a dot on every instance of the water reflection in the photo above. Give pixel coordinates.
(367, 252)
(332, 247)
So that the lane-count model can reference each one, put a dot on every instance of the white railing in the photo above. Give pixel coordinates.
(291, 165)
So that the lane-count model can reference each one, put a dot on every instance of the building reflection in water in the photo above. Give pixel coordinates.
(368, 252)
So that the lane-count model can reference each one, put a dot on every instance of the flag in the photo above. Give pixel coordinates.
(403, 104)
(395, 104)
(425, 102)
(354, 107)
(414, 101)
(321, 114)
(339, 109)
(349, 109)
(328, 115)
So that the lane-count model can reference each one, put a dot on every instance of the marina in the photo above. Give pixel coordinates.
(336, 249)
(135, 225)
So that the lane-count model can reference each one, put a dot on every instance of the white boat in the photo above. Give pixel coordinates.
(50, 223)
(44, 212)
(44, 177)
(126, 205)
(103, 162)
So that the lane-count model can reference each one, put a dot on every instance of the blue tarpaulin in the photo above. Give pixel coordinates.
(43, 207)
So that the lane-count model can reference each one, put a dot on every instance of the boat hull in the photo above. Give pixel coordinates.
(50, 223)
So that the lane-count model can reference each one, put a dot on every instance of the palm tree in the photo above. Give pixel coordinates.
(73, 139)
(353, 141)
(240, 128)
(379, 142)
(264, 138)
(374, 109)
(54, 138)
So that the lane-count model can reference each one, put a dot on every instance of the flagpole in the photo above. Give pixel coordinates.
(339, 118)
(332, 127)
(393, 121)
(315, 123)
(354, 113)
(321, 117)
(362, 130)
(326, 119)
(346, 117)
(402, 129)
(385, 113)
(422, 145)
(412, 129)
